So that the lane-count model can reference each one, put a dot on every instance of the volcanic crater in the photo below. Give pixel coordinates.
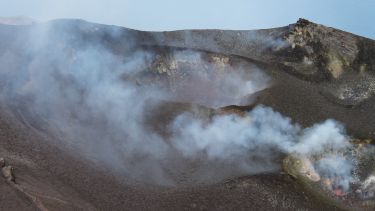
(98, 117)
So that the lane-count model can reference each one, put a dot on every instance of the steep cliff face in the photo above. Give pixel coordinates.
(57, 85)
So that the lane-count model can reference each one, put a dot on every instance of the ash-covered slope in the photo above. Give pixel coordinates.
(335, 68)
(74, 96)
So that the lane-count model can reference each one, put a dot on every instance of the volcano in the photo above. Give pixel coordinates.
(99, 117)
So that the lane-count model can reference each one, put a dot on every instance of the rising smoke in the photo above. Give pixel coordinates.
(94, 101)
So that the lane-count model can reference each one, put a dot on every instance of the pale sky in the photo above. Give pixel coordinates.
(356, 16)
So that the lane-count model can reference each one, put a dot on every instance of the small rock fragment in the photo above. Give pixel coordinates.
(7, 172)
(2, 162)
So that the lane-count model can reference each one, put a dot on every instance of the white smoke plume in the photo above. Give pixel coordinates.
(253, 143)
(76, 90)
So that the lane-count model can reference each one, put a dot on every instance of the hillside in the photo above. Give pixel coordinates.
(98, 117)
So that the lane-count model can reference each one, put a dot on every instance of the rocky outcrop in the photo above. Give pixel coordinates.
(7, 171)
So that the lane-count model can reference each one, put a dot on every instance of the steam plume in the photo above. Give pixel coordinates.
(76, 91)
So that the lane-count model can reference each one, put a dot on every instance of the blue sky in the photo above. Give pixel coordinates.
(356, 16)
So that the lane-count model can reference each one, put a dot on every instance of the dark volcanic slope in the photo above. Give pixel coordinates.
(62, 182)
(317, 73)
